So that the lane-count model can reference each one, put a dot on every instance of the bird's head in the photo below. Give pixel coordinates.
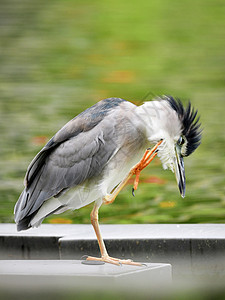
(179, 128)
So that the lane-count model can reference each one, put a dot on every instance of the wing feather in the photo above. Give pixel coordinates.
(72, 156)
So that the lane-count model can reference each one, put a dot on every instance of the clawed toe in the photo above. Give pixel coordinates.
(112, 260)
(144, 162)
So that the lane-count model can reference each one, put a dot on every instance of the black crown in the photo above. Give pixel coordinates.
(190, 123)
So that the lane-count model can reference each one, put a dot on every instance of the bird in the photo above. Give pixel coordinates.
(92, 157)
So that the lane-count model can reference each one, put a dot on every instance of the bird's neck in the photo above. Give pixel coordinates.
(153, 116)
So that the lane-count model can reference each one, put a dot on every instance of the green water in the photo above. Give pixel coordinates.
(59, 57)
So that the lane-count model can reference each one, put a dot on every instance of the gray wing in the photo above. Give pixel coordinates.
(79, 151)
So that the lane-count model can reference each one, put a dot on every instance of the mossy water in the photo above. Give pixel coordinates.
(59, 57)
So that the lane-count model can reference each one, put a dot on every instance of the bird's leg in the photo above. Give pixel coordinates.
(136, 170)
(109, 198)
(104, 254)
(95, 224)
(146, 159)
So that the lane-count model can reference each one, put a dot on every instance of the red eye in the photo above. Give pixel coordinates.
(180, 141)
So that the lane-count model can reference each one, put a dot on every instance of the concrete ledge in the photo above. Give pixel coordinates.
(196, 251)
(37, 243)
(72, 274)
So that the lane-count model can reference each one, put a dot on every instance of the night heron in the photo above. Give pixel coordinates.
(92, 157)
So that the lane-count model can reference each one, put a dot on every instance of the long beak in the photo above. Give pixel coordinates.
(179, 171)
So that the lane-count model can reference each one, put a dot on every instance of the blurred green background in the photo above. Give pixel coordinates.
(59, 57)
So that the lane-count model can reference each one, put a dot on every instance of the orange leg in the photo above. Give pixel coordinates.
(104, 254)
(147, 158)
(149, 155)
(136, 170)
(141, 165)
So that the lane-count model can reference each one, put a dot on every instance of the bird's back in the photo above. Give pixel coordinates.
(78, 151)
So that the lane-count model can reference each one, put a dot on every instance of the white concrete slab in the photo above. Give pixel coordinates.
(55, 274)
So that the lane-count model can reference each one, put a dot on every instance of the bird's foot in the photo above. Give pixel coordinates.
(114, 261)
(143, 163)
